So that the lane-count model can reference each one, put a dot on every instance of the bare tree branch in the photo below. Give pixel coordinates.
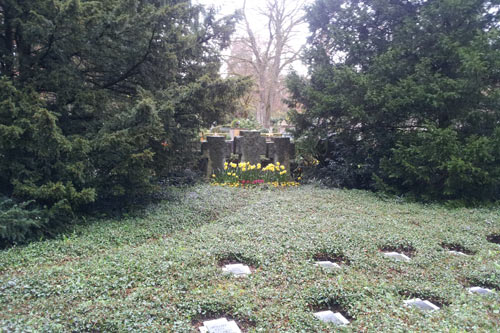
(273, 53)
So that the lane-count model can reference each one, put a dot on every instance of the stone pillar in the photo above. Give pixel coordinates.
(262, 145)
(216, 151)
(292, 150)
(237, 145)
(250, 146)
(203, 163)
(204, 149)
(282, 151)
(229, 149)
(270, 150)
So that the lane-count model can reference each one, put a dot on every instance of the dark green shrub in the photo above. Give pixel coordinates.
(18, 221)
(437, 164)
(38, 162)
(124, 156)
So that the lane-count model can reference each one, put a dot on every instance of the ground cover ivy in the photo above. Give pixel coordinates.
(161, 271)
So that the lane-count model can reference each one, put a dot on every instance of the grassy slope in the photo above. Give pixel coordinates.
(160, 272)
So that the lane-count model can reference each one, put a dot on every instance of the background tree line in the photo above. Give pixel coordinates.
(403, 96)
(99, 100)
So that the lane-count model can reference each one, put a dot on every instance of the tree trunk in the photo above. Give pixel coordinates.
(271, 56)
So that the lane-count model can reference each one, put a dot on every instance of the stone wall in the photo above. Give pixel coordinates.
(250, 146)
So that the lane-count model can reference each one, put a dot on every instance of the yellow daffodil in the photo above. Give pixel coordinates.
(225, 167)
(277, 163)
(233, 165)
(229, 173)
(282, 167)
(259, 166)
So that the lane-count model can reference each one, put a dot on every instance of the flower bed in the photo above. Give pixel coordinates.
(245, 174)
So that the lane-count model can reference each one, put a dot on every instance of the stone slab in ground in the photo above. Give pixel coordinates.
(327, 264)
(221, 325)
(422, 305)
(397, 256)
(458, 253)
(481, 291)
(236, 269)
(330, 317)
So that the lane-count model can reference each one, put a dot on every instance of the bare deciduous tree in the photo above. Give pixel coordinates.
(271, 54)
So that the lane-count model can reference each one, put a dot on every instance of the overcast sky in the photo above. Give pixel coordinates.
(257, 22)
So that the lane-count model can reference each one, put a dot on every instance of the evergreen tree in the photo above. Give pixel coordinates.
(388, 77)
(98, 99)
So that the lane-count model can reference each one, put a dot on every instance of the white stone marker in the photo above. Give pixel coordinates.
(481, 291)
(422, 305)
(221, 325)
(458, 253)
(327, 264)
(330, 317)
(236, 269)
(397, 256)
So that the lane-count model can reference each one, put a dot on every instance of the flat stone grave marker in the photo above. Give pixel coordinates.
(481, 291)
(221, 325)
(236, 269)
(327, 264)
(397, 256)
(330, 317)
(422, 305)
(458, 253)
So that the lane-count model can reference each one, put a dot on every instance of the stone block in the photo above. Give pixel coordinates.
(236, 269)
(229, 149)
(481, 291)
(422, 305)
(262, 146)
(292, 150)
(221, 325)
(458, 253)
(282, 151)
(330, 317)
(397, 256)
(216, 153)
(327, 264)
(250, 146)
(237, 145)
(204, 149)
(270, 150)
